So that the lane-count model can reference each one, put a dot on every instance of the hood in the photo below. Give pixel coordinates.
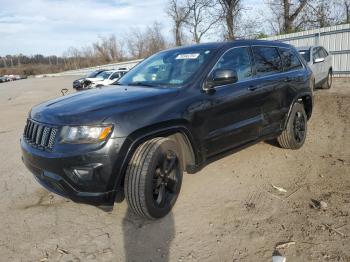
(95, 79)
(79, 79)
(95, 105)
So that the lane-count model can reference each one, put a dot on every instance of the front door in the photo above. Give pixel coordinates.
(233, 117)
(317, 67)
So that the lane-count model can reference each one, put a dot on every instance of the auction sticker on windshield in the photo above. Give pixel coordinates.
(187, 56)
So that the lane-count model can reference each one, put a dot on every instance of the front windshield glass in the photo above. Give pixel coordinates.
(305, 54)
(169, 68)
(93, 74)
(104, 75)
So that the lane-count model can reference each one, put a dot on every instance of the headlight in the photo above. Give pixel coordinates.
(85, 134)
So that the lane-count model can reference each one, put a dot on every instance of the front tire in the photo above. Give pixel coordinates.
(293, 137)
(153, 178)
(329, 81)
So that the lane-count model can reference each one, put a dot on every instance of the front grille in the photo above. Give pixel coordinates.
(40, 135)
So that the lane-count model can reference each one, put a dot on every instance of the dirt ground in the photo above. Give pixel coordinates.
(227, 212)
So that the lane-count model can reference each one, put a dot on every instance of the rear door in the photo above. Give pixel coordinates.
(269, 74)
(293, 77)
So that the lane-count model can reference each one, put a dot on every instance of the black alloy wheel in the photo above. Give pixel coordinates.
(166, 179)
(299, 127)
(153, 178)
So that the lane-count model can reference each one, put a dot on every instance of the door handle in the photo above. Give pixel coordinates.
(253, 88)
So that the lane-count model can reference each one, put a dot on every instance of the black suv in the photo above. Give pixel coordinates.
(175, 111)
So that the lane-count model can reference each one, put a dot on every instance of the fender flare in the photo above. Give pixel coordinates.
(141, 135)
(306, 97)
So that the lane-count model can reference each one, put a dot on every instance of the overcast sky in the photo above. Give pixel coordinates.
(50, 27)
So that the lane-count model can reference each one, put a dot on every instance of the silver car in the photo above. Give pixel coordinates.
(320, 62)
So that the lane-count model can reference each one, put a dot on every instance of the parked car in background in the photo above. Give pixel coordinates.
(3, 79)
(107, 77)
(176, 111)
(14, 77)
(80, 83)
(320, 62)
(103, 78)
(10, 77)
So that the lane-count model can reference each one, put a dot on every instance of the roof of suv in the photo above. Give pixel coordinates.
(307, 47)
(218, 45)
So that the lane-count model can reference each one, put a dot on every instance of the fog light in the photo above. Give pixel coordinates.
(82, 174)
(85, 174)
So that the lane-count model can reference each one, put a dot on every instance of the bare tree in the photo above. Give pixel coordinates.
(248, 28)
(203, 17)
(89, 55)
(346, 4)
(145, 43)
(155, 39)
(108, 49)
(75, 56)
(286, 14)
(320, 13)
(230, 11)
(136, 43)
(343, 10)
(178, 12)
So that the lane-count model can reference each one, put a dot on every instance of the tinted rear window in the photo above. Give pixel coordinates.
(289, 59)
(267, 60)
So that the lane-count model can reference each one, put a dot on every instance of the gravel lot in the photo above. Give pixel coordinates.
(227, 212)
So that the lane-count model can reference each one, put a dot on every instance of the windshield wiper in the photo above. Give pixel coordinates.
(141, 84)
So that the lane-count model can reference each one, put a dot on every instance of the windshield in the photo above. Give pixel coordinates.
(169, 68)
(305, 54)
(104, 75)
(93, 74)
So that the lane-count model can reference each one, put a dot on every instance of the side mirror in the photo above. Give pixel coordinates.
(319, 60)
(221, 77)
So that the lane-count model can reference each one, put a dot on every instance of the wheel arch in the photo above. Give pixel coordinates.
(177, 130)
(307, 100)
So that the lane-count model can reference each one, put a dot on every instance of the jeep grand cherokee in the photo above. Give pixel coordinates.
(176, 111)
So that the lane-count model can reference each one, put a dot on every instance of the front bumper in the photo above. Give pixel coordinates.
(88, 177)
(77, 85)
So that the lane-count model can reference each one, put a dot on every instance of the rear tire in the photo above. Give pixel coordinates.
(153, 178)
(329, 81)
(293, 137)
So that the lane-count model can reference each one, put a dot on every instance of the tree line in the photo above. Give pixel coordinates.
(192, 22)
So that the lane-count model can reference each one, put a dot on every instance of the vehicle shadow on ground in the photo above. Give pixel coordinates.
(146, 240)
(272, 142)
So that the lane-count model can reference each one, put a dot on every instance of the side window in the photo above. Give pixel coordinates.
(316, 53)
(237, 59)
(289, 59)
(324, 52)
(114, 76)
(321, 53)
(267, 60)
